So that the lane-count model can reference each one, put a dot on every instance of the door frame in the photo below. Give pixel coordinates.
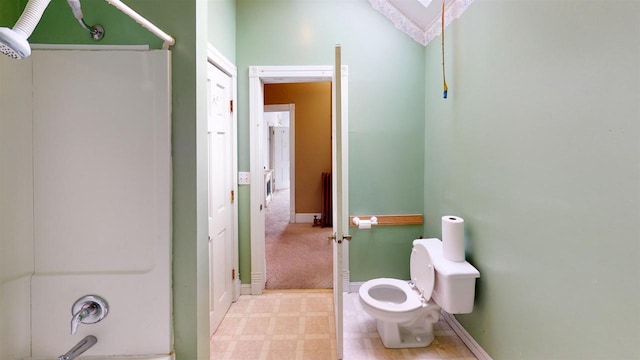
(291, 109)
(258, 76)
(218, 60)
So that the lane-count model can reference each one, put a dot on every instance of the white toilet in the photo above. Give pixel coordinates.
(405, 312)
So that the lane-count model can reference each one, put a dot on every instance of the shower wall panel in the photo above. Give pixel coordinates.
(16, 208)
(101, 199)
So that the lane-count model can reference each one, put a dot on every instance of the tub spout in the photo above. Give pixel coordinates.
(80, 348)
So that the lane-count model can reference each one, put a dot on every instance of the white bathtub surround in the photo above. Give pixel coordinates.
(16, 210)
(101, 199)
(149, 357)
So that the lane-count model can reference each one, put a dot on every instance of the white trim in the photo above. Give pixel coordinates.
(453, 10)
(245, 289)
(306, 218)
(256, 104)
(291, 108)
(237, 288)
(291, 74)
(224, 64)
(258, 76)
(88, 47)
(354, 287)
(466, 338)
(258, 280)
(216, 58)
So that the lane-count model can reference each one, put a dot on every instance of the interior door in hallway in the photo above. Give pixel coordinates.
(221, 195)
(280, 154)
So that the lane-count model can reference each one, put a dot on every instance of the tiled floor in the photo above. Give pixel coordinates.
(299, 325)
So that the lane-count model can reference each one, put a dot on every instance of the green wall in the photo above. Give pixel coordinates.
(221, 27)
(58, 26)
(386, 112)
(538, 148)
(186, 21)
(9, 12)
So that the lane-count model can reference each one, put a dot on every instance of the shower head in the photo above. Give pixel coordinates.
(13, 42)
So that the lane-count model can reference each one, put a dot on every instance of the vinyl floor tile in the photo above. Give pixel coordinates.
(299, 325)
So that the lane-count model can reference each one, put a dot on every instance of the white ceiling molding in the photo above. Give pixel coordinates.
(420, 23)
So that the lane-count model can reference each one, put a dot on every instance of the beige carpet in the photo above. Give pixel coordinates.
(298, 256)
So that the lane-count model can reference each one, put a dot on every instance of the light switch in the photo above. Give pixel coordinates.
(243, 177)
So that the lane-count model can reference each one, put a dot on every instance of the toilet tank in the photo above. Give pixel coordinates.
(455, 282)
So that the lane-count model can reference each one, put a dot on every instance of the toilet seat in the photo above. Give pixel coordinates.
(422, 270)
(398, 296)
(411, 302)
(404, 311)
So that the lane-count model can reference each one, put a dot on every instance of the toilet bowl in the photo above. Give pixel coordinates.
(406, 311)
(403, 318)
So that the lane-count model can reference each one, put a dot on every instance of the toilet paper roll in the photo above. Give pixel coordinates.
(364, 224)
(453, 238)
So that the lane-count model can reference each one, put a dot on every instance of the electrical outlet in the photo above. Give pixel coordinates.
(243, 178)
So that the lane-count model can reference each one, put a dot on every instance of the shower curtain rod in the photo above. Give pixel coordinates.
(168, 40)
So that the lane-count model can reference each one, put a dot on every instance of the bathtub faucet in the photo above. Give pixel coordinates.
(81, 315)
(80, 348)
(88, 309)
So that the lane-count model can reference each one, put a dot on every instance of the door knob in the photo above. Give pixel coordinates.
(333, 237)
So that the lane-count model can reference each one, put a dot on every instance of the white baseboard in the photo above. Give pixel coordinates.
(245, 289)
(237, 289)
(257, 283)
(354, 287)
(466, 338)
(306, 217)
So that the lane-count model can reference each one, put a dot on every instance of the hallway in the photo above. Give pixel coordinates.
(298, 256)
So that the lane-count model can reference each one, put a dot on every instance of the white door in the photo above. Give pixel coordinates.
(340, 194)
(280, 141)
(221, 195)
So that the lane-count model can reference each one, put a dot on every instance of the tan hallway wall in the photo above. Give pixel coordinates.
(312, 137)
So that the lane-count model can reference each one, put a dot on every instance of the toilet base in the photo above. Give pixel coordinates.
(417, 334)
(394, 336)
(397, 337)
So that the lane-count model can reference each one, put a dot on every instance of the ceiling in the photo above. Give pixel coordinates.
(417, 13)
(419, 22)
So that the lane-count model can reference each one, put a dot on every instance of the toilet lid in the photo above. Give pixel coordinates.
(422, 271)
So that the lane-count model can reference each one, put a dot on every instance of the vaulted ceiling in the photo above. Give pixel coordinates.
(422, 23)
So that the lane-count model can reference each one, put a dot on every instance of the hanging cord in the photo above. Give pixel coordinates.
(444, 79)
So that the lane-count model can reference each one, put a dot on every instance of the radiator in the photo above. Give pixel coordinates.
(326, 217)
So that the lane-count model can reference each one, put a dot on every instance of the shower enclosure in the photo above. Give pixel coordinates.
(85, 201)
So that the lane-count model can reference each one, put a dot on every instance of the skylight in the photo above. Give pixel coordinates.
(420, 19)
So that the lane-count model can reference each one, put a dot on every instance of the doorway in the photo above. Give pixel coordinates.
(297, 253)
(280, 122)
(338, 75)
(259, 77)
